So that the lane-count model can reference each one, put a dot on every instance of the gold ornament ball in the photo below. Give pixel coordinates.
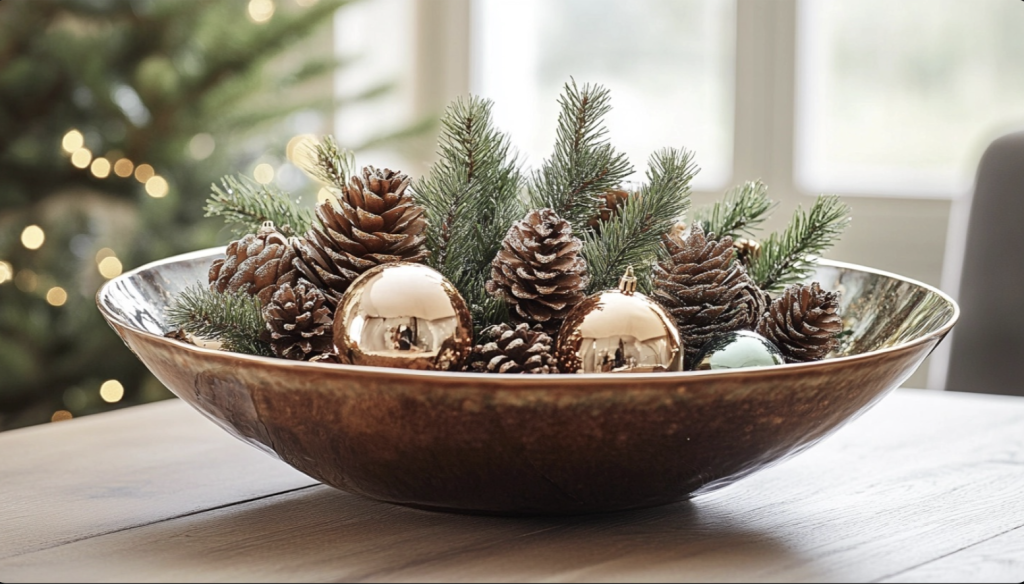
(403, 315)
(619, 331)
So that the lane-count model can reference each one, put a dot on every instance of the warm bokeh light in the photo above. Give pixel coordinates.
(72, 141)
(81, 158)
(261, 10)
(104, 253)
(263, 173)
(33, 237)
(6, 272)
(143, 173)
(124, 168)
(26, 280)
(111, 391)
(100, 168)
(61, 416)
(110, 267)
(201, 146)
(56, 296)
(157, 187)
(297, 149)
(324, 195)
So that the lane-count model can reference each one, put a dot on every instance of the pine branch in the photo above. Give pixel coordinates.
(234, 319)
(740, 212)
(328, 163)
(584, 165)
(789, 258)
(472, 198)
(633, 237)
(245, 204)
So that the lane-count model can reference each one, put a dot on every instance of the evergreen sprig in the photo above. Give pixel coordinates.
(788, 257)
(471, 196)
(633, 236)
(245, 204)
(234, 319)
(328, 163)
(740, 212)
(584, 164)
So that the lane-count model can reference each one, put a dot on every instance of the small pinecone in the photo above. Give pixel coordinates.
(256, 264)
(803, 322)
(375, 222)
(513, 350)
(704, 289)
(608, 207)
(299, 323)
(539, 269)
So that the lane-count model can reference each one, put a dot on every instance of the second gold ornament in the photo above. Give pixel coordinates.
(619, 331)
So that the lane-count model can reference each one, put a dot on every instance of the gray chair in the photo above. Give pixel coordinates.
(987, 352)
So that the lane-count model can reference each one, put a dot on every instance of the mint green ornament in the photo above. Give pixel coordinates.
(737, 350)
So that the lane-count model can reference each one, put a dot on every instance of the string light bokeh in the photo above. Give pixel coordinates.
(261, 10)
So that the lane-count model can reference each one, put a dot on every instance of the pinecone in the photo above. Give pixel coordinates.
(375, 222)
(299, 323)
(608, 207)
(704, 289)
(513, 350)
(256, 264)
(539, 269)
(803, 322)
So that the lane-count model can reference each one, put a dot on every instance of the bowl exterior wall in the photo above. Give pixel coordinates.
(526, 445)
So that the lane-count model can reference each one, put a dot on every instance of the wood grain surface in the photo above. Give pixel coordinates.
(925, 487)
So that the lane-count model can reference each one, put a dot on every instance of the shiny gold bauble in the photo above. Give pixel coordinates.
(619, 331)
(403, 315)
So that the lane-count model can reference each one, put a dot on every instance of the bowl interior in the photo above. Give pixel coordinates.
(880, 310)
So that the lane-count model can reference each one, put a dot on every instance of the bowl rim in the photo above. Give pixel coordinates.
(520, 380)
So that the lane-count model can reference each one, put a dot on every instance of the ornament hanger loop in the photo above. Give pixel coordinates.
(627, 283)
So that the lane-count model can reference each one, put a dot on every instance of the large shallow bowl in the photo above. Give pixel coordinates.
(534, 443)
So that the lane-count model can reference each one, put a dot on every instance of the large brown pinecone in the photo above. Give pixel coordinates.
(513, 350)
(804, 322)
(609, 206)
(704, 289)
(256, 264)
(539, 269)
(299, 322)
(374, 222)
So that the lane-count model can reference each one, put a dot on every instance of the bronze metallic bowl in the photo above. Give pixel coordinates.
(533, 444)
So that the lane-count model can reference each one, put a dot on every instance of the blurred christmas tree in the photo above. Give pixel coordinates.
(115, 118)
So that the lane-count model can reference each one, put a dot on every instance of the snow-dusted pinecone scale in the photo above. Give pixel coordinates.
(539, 270)
(522, 349)
(704, 289)
(300, 325)
(374, 222)
(255, 264)
(803, 322)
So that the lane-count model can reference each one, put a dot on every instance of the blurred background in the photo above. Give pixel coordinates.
(117, 115)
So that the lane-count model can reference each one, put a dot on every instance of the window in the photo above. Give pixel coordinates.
(668, 64)
(900, 98)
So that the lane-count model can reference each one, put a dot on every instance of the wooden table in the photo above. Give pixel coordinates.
(927, 486)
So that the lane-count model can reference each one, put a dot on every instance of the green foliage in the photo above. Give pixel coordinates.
(740, 212)
(245, 204)
(472, 198)
(329, 163)
(234, 319)
(633, 236)
(584, 164)
(788, 257)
